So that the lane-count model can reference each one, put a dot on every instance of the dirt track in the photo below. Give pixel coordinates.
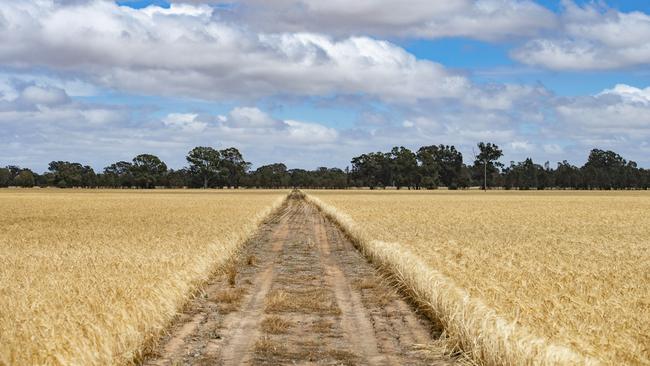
(302, 295)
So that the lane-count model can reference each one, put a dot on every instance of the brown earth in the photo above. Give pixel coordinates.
(300, 294)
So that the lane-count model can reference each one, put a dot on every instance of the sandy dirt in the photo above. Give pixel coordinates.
(300, 294)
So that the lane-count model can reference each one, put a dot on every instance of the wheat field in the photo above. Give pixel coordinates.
(88, 277)
(517, 277)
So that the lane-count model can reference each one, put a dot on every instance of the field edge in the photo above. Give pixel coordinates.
(470, 325)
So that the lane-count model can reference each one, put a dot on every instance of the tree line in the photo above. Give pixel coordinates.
(429, 167)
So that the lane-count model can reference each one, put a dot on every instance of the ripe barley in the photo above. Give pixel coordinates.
(87, 277)
(517, 277)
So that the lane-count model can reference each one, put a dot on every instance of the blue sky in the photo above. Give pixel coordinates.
(315, 83)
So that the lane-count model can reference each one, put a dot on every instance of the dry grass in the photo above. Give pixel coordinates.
(275, 325)
(87, 277)
(319, 301)
(229, 295)
(322, 326)
(517, 277)
(266, 347)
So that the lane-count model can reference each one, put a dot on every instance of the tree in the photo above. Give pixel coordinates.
(371, 170)
(272, 176)
(328, 178)
(524, 175)
(147, 170)
(25, 179)
(404, 167)
(487, 162)
(604, 170)
(66, 174)
(234, 166)
(441, 165)
(429, 170)
(205, 162)
(179, 178)
(301, 178)
(5, 177)
(119, 174)
(567, 175)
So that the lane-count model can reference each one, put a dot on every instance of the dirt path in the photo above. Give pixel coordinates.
(302, 295)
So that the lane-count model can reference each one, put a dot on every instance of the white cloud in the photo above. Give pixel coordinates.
(43, 95)
(592, 38)
(553, 149)
(629, 93)
(522, 146)
(306, 133)
(610, 118)
(191, 51)
(252, 121)
(188, 51)
(478, 19)
(179, 9)
(185, 121)
(622, 111)
(251, 117)
(73, 86)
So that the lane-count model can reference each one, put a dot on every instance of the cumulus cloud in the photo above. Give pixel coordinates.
(187, 51)
(553, 149)
(29, 105)
(43, 95)
(617, 119)
(593, 37)
(478, 19)
(185, 121)
(628, 94)
(230, 55)
(101, 134)
(251, 117)
(253, 121)
(310, 132)
(522, 146)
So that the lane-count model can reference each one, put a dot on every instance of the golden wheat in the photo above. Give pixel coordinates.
(517, 277)
(87, 277)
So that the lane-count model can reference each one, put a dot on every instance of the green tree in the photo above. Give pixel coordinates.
(25, 179)
(65, 174)
(272, 176)
(371, 170)
(301, 178)
(604, 170)
(5, 177)
(205, 162)
(119, 174)
(404, 167)
(441, 164)
(524, 175)
(429, 170)
(234, 166)
(328, 178)
(147, 170)
(486, 165)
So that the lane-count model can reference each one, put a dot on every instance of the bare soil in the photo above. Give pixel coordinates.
(300, 293)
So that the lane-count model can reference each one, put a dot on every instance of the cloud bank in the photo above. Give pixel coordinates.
(263, 58)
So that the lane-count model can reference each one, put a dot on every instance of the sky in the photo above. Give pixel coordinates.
(313, 83)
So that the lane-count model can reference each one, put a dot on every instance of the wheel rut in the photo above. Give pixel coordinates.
(299, 294)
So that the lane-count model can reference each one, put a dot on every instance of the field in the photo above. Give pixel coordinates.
(95, 277)
(517, 277)
(87, 277)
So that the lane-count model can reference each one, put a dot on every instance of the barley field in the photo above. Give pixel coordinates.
(517, 277)
(88, 277)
